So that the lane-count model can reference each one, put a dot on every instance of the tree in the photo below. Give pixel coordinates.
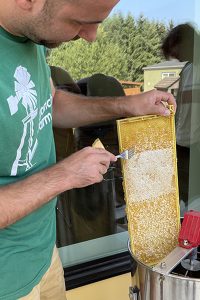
(124, 46)
(83, 59)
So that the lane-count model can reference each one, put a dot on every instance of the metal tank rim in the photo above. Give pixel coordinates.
(151, 270)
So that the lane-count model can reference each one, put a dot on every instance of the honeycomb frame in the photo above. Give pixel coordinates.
(153, 222)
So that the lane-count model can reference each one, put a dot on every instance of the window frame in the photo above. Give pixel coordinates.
(97, 270)
(163, 74)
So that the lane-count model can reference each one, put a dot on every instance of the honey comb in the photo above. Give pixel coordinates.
(98, 144)
(150, 185)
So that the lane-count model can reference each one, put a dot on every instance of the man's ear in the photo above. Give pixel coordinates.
(25, 4)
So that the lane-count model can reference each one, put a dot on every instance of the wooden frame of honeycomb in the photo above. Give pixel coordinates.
(150, 185)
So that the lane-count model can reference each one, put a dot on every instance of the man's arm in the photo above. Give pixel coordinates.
(72, 110)
(83, 168)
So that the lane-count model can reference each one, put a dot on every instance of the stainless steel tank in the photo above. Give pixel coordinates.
(181, 283)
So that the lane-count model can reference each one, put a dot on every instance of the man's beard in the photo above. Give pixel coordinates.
(38, 37)
(48, 44)
(38, 40)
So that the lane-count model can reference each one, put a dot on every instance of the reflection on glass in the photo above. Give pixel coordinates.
(94, 211)
(94, 217)
(194, 183)
(181, 44)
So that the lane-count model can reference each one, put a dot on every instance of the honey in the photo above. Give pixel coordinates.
(150, 185)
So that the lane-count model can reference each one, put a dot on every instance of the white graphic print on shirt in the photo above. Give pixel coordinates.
(26, 95)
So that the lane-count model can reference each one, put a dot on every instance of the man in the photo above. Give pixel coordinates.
(29, 177)
(179, 44)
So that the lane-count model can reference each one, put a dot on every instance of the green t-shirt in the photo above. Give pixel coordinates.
(26, 147)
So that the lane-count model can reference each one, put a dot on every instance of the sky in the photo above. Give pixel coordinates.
(179, 11)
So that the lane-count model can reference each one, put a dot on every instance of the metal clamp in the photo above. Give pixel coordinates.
(134, 293)
(171, 260)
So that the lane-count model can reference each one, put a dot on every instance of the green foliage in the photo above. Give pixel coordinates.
(83, 59)
(123, 47)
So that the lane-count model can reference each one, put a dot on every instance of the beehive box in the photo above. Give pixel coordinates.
(150, 185)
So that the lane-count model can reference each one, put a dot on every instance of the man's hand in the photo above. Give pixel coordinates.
(71, 110)
(82, 168)
(86, 167)
(149, 103)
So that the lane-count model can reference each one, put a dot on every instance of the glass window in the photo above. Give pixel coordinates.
(171, 74)
(88, 216)
(194, 165)
(91, 222)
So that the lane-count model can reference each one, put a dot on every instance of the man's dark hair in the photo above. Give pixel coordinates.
(177, 40)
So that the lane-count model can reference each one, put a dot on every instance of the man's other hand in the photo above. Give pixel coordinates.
(149, 103)
(86, 166)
